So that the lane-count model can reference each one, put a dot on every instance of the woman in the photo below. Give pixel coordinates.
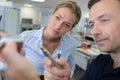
(53, 36)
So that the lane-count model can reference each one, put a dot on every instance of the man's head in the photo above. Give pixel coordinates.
(92, 2)
(73, 7)
(105, 23)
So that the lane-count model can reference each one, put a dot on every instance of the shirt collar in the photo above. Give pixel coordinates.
(38, 34)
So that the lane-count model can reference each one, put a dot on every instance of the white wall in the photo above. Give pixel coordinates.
(30, 13)
(40, 16)
(10, 18)
(45, 13)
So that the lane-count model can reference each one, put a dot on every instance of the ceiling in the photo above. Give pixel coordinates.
(51, 3)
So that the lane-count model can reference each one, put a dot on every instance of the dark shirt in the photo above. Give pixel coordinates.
(101, 68)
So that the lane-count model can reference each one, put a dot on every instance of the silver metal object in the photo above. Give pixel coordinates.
(59, 53)
(5, 39)
(17, 39)
(47, 54)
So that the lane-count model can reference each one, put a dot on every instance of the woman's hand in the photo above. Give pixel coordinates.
(53, 73)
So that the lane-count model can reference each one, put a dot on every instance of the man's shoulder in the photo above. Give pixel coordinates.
(102, 58)
(99, 63)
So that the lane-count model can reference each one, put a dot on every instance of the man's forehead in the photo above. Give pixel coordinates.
(100, 8)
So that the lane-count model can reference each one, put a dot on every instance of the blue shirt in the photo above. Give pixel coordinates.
(32, 41)
(102, 69)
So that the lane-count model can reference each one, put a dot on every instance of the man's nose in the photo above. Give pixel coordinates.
(96, 30)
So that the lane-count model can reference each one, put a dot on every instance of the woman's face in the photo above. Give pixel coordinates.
(60, 22)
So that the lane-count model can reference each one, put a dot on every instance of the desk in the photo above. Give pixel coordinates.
(84, 57)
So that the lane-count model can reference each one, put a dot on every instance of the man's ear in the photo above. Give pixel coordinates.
(0, 17)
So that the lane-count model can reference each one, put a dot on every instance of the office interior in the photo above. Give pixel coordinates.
(17, 17)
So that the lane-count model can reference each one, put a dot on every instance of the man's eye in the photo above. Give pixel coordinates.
(57, 17)
(104, 20)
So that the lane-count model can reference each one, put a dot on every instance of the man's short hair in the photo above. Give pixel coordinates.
(92, 2)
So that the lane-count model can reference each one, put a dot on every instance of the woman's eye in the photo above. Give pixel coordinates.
(91, 25)
(67, 25)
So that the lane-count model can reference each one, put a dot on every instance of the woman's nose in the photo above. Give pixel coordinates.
(60, 24)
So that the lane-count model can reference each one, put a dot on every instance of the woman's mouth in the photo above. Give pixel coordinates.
(55, 31)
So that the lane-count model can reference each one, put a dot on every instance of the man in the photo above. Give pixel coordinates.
(105, 23)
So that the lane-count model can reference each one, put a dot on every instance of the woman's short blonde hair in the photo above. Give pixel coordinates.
(74, 8)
